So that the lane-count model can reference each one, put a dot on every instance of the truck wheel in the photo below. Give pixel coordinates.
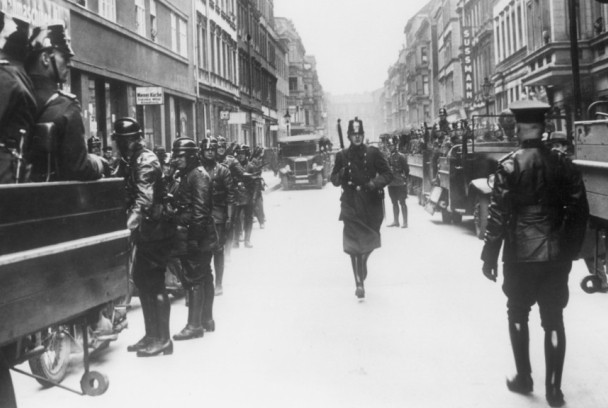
(480, 215)
(53, 363)
(591, 284)
(446, 216)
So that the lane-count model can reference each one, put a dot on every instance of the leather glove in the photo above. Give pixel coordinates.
(490, 271)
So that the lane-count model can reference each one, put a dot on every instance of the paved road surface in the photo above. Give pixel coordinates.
(432, 331)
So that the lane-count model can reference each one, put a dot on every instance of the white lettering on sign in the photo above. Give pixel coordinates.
(149, 95)
(36, 12)
(467, 63)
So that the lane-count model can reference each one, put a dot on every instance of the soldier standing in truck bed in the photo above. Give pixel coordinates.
(17, 104)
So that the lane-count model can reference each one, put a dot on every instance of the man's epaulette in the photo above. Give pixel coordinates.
(67, 94)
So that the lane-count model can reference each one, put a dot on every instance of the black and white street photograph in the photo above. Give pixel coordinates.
(296, 204)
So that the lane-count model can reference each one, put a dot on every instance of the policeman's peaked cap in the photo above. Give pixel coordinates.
(244, 149)
(351, 127)
(529, 111)
(14, 37)
(126, 128)
(221, 141)
(51, 37)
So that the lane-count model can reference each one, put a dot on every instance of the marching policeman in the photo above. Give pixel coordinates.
(397, 188)
(539, 211)
(362, 172)
(48, 65)
(17, 103)
(151, 233)
(223, 205)
(196, 236)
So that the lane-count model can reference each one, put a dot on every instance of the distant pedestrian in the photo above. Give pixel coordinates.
(539, 210)
(362, 172)
(397, 189)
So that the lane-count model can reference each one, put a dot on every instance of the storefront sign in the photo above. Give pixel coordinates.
(238, 118)
(149, 95)
(467, 64)
(36, 12)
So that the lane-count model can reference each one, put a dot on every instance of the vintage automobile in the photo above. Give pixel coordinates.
(301, 163)
(64, 254)
(591, 156)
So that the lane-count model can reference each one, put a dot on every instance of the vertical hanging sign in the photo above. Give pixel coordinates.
(467, 64)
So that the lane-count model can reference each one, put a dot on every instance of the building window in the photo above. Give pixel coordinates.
(424, 57)
(82, 3)
(183, 37)
(140, 17)
(107, 9)
(202, 45)
(153, 21)
(425, 84)
(293, 84)
(173, 32)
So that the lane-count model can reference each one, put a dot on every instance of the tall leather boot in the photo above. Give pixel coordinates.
(194, 327)
(395, 216)
(207, 314)
(363, 266)
(161, 341)
(356, 262)
(147, 302)
(248, 228)
(218, 265)
(404, 211)
(520, 342)
(555, 352)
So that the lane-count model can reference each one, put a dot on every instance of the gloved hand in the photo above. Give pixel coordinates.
(370, 185)
(490, 271)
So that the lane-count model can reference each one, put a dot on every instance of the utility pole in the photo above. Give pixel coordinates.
(576, 76)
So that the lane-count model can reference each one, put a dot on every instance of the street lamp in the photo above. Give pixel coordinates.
(287, 118)
(486, 88)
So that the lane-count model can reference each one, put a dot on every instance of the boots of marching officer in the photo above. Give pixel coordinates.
(520, 342)
(160, 342)
(147, 303)
(356, 262)
(194, 328)
(555, 351)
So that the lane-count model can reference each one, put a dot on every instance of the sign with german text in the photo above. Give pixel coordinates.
(149, 95)
(467, 63)
(36, 12)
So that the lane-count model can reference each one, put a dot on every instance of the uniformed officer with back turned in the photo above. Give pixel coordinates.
(539, 211)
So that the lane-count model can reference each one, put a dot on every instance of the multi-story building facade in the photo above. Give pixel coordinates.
(124, 50)
(479, 62)
(421, 67)
(216, 68)
(257, 70)
(306, 106)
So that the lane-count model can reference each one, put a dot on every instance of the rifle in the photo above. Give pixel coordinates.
(340, 135)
